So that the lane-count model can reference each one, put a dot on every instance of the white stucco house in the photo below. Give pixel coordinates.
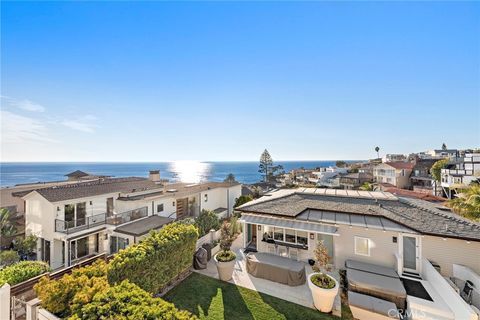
(79, 220)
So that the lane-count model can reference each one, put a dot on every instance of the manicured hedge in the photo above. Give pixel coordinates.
(86, 294)
(128, 301)
(22, 271)
(67, 295)
(156, 260)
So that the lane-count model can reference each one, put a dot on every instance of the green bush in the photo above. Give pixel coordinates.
(22, 271)
(226, 256)
(86, 294)
(67, 295)
(128, 301)
(8, 257)
(156, 260)
(242, 200)
(206, 221)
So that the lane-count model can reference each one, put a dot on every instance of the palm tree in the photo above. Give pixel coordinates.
(230, 178)
(7, 229)
(377, 149)
(467, 202)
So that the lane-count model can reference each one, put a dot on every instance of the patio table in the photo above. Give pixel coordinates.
(276, 268)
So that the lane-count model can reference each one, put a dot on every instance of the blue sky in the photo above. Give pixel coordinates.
(155, 81)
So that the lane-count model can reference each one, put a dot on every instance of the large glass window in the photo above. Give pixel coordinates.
(278, 234)
(81, 213)
(79, 248)
(70, 215)
(302, 237)
(117, 244)
(82, 247)
(290, 235)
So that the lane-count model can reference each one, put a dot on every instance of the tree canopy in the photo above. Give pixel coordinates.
(267, 168)
(340, 164)
(230, 178)
(467, 202)
(437, 168)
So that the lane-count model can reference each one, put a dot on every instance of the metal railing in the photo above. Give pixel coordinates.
(127, 216)
(79, 224)
(99, 219)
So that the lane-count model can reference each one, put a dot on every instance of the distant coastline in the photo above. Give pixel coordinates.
(12, 173)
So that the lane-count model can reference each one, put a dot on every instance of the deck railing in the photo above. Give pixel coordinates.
(69, 227)
(127, 216)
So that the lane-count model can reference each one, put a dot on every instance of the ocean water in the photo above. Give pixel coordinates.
(12, 173)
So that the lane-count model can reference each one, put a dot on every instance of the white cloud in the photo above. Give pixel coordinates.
(85, 124)
(25, 104)
(17, 129)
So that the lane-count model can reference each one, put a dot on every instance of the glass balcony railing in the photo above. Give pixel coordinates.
(72, 226)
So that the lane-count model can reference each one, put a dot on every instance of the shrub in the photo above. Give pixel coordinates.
(128, 301)
(206, 221)
(26, 246)
(67, 295)
(22, 271)
(242, 200)
(8, 257)
(322, 259)
(86, 294)
(226, 240)
(235, 227)
(158, 259)
(226, 256)
(322, 280)
(226, 236)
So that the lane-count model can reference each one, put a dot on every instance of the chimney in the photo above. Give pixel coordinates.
(154, 175)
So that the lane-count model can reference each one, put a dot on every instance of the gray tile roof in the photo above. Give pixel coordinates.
(77, 174)
(94, 188)
(418, 215)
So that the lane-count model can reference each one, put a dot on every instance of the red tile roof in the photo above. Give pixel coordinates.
(414, 194)
(401, 165)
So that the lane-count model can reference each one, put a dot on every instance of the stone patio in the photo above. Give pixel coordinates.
(300, 294)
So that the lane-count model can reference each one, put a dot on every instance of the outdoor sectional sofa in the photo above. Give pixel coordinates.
(373, 281)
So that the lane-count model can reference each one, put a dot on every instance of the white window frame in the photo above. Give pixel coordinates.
(355, 246)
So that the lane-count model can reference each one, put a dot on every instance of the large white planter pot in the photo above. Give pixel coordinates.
(225, 269)
(323, 298)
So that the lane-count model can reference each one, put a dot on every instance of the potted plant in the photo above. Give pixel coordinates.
(324, 287)
(225, 259)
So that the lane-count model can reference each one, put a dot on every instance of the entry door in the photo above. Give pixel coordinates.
(411, 253)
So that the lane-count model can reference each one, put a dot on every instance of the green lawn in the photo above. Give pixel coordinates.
(210, 298)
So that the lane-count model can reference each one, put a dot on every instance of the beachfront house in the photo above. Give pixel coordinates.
(76, 221)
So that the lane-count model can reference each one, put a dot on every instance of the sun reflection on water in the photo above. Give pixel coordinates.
(190, 171)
